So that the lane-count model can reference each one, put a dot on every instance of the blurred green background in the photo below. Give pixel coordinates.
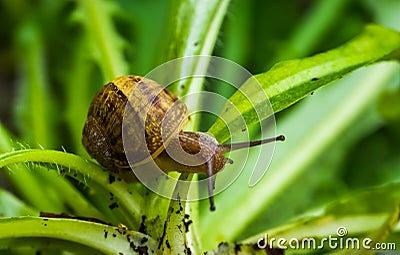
(50, 69)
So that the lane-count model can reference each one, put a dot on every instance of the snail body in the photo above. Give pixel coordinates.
(153, 119)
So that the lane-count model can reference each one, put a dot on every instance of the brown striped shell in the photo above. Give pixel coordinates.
(133, 108)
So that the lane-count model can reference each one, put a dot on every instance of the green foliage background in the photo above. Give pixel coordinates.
(55, 55)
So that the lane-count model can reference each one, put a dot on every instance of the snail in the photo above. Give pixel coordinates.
(136, 98)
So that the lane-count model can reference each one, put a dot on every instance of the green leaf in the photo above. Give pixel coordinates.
(389, 106)
(376, 200)
(56, 195)
(103, 238)
(34, 104)
(104, 42)
(25, 182)
(12, 206)
(79, 88)
(86, 172)
(177, 237)
(41, 245)
(312, 28)
(290, 81)
(195, 26)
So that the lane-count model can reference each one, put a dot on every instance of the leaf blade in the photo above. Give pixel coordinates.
(290, 81)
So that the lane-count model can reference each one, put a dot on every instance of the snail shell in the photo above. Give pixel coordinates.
(102, 133)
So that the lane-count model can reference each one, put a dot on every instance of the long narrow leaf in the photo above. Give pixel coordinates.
(195, 27)
(104, 42)
(290, 81)
(104, 238)
(85, 172)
